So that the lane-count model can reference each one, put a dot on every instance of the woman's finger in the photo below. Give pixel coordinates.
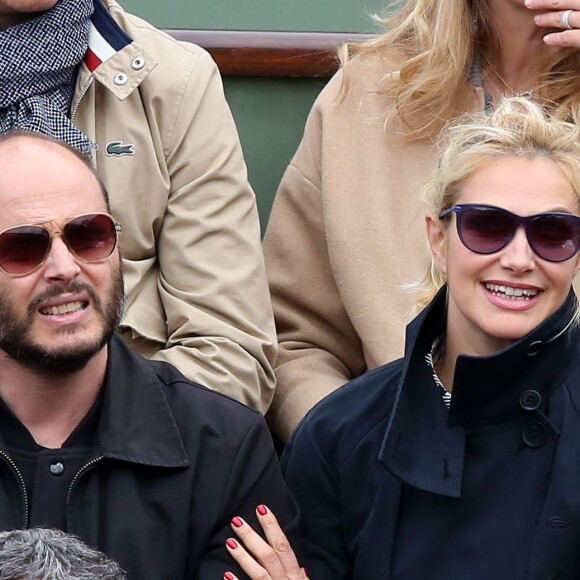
(265, 554)
(565, 39)
(552, 5)
(559, 19)
(246, 562)
(277, 539)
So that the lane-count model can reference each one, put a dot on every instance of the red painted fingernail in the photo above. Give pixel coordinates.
(228, 576)
(262, 510)
(237, 522)
(232, 544)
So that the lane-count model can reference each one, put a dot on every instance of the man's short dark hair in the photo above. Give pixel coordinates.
(47, 554)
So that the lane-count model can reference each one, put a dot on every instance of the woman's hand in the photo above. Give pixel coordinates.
(562, 15)
(261, 560)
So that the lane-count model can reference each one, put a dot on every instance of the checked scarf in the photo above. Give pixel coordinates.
(38, 62)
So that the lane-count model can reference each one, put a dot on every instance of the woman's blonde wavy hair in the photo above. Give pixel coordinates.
(438, 40)
(518, 128)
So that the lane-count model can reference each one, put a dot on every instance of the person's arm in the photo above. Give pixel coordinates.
(255, 479)
(319, 350)
(212, 281)
(313, 478)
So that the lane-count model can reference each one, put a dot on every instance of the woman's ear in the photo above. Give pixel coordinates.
(437, 237)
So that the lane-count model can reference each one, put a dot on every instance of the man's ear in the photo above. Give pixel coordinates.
(436, 230)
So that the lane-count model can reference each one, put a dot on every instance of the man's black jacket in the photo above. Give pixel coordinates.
(172, 463)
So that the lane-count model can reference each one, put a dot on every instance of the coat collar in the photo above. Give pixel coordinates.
(113, 58)
(136, 423)
(486, 391)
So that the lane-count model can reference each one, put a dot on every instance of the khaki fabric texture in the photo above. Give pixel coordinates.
(197, 295)
(345, 239)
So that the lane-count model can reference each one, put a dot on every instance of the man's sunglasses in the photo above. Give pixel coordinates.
(90, 237)
(486, 229)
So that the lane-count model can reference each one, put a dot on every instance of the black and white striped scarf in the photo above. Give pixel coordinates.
(38, 62)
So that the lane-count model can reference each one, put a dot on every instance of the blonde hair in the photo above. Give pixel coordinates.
(518, 128)
(437, 40)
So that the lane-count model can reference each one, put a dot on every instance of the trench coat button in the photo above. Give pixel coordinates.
(530, 400)
(138, 63)
(57, 468)
(535, 434)
(120, 79)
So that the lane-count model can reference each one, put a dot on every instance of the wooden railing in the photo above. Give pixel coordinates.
(274, 54)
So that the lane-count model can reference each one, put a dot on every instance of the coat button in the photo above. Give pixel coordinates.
(534, 434)
(57, 468)
(534, 348)
(120, 79)
(530, 400)
(138, 63)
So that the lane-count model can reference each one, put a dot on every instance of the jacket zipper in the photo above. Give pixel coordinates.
(22, 486)
(80, 472)
(78, 101)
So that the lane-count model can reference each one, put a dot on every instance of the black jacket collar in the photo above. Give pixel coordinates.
(136, 423)
(486, 391)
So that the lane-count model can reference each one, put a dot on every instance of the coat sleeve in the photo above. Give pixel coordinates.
(255, 478)
(212, 280)
(319, 349)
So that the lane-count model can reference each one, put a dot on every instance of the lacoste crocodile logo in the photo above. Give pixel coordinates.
(118, 148)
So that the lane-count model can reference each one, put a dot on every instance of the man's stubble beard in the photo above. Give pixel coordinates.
(16, 342)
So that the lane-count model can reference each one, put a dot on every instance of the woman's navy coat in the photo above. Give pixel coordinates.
(392, 485)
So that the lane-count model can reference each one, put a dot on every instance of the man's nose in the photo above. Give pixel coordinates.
(60, 263)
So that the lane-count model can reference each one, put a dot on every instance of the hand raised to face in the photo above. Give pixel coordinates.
(561, 15)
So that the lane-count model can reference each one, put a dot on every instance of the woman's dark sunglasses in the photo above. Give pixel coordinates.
(90, 237)
(486, 229)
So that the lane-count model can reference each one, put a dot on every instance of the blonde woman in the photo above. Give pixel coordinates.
(462, 459)
(345, 237)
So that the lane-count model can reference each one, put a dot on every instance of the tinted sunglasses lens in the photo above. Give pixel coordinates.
(554, 237)
(91, 237)
(485, 230)
(23, 249)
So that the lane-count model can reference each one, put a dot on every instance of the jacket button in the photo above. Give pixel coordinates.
(57, 468)
(120, 79)
(138, 63)
(534, 348)
(530, 400)
(534, 434)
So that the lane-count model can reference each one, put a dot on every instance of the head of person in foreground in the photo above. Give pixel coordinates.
(48, 554)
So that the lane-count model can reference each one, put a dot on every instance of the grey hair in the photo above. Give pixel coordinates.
(48, 554)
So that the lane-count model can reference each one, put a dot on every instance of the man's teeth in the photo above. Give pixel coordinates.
(63, 308)
(513, 293)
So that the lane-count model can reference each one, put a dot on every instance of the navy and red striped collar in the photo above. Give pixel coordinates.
(106, 37)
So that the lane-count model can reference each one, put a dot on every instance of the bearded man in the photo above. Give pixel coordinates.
(95, 440)
(151, 113)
